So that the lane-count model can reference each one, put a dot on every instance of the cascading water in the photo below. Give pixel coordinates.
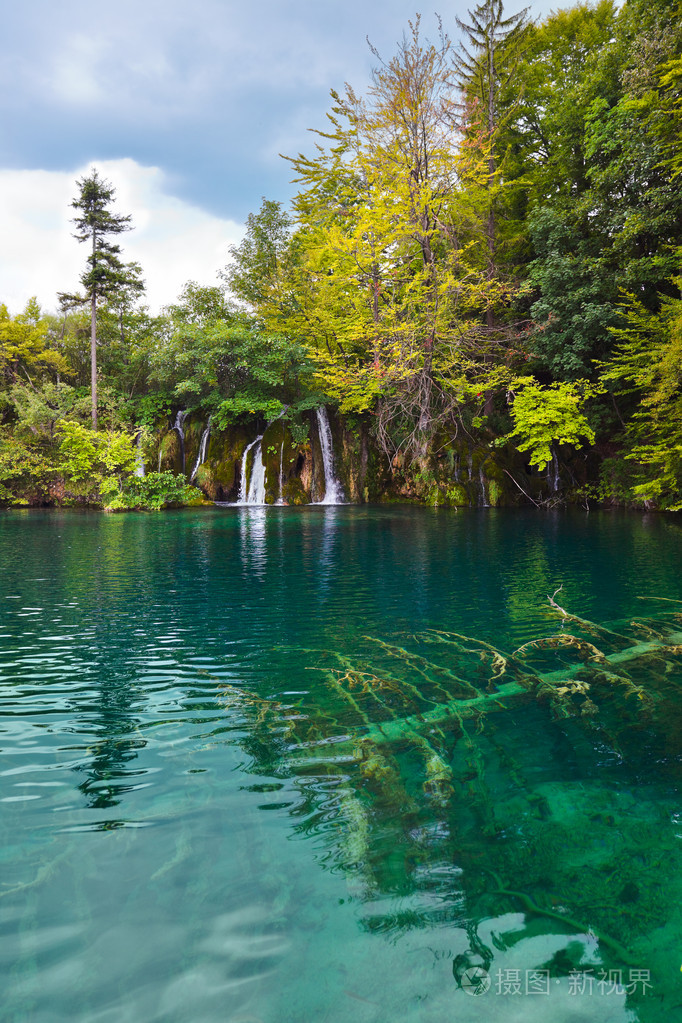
(553, 473)
(139, 465)
(256, 492)
(280, 499)
(484, 496)
(252, 491)
(203, 448)
(333, 491)
(179, 425)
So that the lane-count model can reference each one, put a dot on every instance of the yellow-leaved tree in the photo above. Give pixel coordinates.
(392, 266)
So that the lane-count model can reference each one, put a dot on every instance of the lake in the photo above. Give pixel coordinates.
(280, 765)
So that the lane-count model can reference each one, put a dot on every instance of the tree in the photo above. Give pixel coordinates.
(575, 296)
(543, 134)
(24, 349)
(215, 358)
(105, 274)
(591, 135)
(544, 416)
(647, 365)
(484, 69)
(256, 262)
(392, 272)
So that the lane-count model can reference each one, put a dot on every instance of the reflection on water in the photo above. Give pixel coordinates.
(252, 528)
(281, 764)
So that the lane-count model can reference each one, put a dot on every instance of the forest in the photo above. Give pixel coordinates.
(478, 277)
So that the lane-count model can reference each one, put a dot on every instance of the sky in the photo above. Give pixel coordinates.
(183, 107)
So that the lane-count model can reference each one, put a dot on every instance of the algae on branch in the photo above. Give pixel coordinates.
(415, 740)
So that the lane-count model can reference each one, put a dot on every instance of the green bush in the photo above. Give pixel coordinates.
(154, 491)
(23, 469)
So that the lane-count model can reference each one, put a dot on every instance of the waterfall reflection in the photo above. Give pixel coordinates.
(326, 554)
(253, 547)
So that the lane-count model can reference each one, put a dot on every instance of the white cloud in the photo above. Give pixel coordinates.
(172, 240)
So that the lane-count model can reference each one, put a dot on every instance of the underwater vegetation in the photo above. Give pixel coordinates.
(478, 781)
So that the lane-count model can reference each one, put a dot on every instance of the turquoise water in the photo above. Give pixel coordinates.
(271, 765)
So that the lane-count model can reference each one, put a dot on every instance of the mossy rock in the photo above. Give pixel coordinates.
(279, 453)
(170, 453)
(294, 492)
(194, 429)
(205, 478)
(455, 495)
(219, 475)
(495, 493)
(360, 469)
(197, 502)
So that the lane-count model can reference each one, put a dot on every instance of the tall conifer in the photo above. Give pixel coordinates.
(105, 273)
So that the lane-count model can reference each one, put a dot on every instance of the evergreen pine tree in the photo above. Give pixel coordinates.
(105, 273)
(483, 67)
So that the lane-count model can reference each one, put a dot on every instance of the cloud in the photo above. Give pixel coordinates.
(173, 240)
(209, 91)
(74, 72)
(192, 101)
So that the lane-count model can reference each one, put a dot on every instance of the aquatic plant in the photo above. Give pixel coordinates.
(426, 747)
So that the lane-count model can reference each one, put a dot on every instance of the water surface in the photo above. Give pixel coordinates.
(237, 781)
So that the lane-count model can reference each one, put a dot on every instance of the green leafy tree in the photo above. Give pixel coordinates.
(216, 358)
(24, 469)
(38, 410)
(95, 463)
(105, 274)
(392, 270)
(154, 491)
(545, 105)
(545, 416)
(647, 367)
(575, 297)
(605, 206)
(257, 262)
(101, 466)
(24, 346)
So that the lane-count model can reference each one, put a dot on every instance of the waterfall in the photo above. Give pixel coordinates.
(333, 492)
(484, 495)
(253, 491)
(280, 499)
(139, 467)
(553, 473)
(179, 425)
(256, 493)
(203, 448)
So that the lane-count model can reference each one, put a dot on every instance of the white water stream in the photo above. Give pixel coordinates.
(139, 466)
(252, 479)
(179, 425)
(252, 491)
(203, 448)
(333, 491)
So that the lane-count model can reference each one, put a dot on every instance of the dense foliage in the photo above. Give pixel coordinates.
(485, 246)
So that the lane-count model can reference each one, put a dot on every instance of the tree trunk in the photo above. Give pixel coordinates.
(93, 339)
(490, 227)
(93, 357)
